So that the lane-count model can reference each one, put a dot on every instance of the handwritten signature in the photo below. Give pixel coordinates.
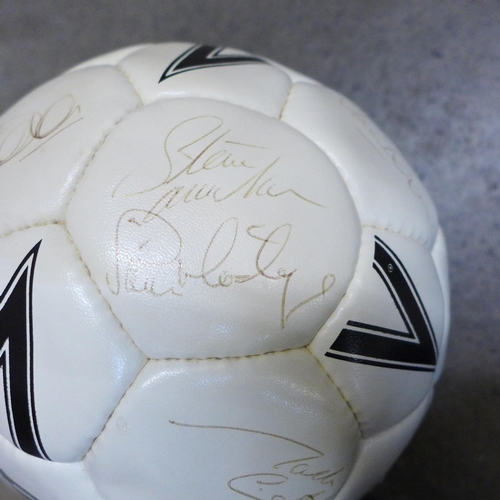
(214, 148)
(149, 258)
(305, 472)
(25, 135)
(385, 149)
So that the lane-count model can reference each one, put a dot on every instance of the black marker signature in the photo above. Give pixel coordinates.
(149, 258)
(25, 135)
(306, 471)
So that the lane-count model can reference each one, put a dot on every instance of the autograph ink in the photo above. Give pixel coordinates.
(159, 267)
(25, 135)
(308, 470)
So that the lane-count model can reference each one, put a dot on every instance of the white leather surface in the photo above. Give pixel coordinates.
(110, 58)
(378, 453)
(49, 137)
(440, 256)
(217, 232)
(42, 479)
(381, 397)
(83, 360)
(216, 239)
(386, 191)
(50, 480)
(256, 85)
(227, 426)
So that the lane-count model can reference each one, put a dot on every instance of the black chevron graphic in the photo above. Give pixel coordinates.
(16, 356)
(205, 56)
(412, 349)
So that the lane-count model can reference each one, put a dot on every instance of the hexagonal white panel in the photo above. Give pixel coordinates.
(378, 453)
(35, 479)
(216, 232)
(385, 189)
(66, 359)
(386, 335)
(171, 70)
(47, 139)
(273, 423)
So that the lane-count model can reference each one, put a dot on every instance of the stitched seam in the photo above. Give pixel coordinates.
(340, 392)
(129, 78)
(287, 98)
(344, 297)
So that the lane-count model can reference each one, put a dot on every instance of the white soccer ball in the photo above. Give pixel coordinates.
(219, 280)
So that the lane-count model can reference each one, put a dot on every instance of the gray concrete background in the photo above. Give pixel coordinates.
(428, 72)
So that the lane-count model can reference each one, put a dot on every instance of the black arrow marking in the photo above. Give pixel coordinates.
(16, 357)
(413, 349)
(205, 56)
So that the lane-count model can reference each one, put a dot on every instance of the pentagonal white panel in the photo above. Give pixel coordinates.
(271, 425)
(48, 137)
(378, 453)
(186, 70)
(65, 358)
(215, 231)
(387, 192)
(383, 343)
(39, 479)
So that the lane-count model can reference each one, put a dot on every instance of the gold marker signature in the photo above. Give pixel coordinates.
(268, 485)
(149, 258)
(25, 135)
(213, 149)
